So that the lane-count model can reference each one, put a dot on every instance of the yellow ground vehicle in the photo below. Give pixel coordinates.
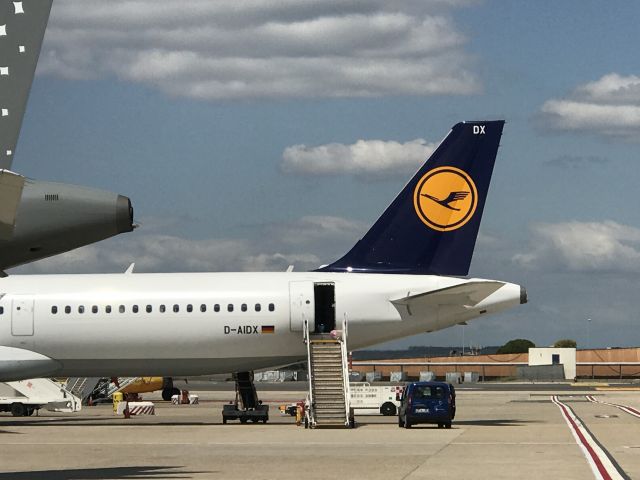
(152, 384)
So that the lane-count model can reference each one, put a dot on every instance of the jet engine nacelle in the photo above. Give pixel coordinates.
(52, 218)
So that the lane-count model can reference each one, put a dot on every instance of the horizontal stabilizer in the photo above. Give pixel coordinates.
(467, 294)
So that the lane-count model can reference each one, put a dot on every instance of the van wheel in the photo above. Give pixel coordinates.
(448, 424)
(440, 425)
(18, 410)
(388, 409)
(407, 423)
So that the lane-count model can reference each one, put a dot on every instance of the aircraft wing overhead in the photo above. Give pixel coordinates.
(22, 26)
(466, 294)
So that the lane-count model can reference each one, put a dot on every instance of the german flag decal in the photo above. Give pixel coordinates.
(267, 329)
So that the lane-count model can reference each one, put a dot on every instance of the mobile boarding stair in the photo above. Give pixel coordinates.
(329, 397)
(23, 397)
(85, 387)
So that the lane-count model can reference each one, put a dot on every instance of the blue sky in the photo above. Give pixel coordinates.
(239, 131)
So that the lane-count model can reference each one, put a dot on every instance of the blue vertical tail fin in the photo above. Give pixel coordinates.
(432, 225)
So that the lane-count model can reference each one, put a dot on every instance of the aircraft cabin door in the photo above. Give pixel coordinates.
(301, 305)
(22, 316)
(325, 307)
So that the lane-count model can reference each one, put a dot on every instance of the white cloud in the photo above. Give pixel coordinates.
(258, 48)
(165, 253)
(365, 157)
(609, 106)
(270, 247)
(583, 247)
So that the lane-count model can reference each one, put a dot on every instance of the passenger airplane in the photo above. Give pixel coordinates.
(404, 277)
(39, 218)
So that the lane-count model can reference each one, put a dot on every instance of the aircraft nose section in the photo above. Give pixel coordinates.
(524, 298)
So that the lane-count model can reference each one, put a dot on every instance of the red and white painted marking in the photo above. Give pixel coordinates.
(601, 464)
(625, 408)
(141, 408)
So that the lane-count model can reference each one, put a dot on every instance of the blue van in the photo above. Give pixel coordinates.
(427, 402)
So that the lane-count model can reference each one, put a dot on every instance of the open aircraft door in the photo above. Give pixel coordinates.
(22, 315)
(302, 305)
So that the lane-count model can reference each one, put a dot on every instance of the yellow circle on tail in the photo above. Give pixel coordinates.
(445, 198)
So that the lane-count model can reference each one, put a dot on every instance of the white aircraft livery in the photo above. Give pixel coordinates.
(407, 275)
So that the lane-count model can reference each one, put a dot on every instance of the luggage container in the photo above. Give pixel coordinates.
(471, 377)
(427, 376)
(427, 402)
(453, 377)
(373, 377)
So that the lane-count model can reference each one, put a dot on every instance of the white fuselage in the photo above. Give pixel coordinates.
(169, 325)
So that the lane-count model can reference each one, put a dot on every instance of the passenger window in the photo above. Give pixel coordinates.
(176, 308)
(54, 310)
(135, 309)
(1, 310)
(258, 307)
(94, 309)
(107, 309)
(81, 309)
(189, 308)
(149, 309)
(243, 307)
(216, 307)
(121, 309)
(230, 307)
(67, 309)
(272, 307)
(203, 308)
(163, 309)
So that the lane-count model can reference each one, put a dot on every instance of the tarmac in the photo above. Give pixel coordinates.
(497, 433)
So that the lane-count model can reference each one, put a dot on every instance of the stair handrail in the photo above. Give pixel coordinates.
(345, 370)
(307, 341)
(126, 381)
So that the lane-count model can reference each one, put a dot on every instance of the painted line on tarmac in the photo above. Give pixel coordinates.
(602, 464)
(625, 408)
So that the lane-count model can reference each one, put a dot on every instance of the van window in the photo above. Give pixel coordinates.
(428, 392)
